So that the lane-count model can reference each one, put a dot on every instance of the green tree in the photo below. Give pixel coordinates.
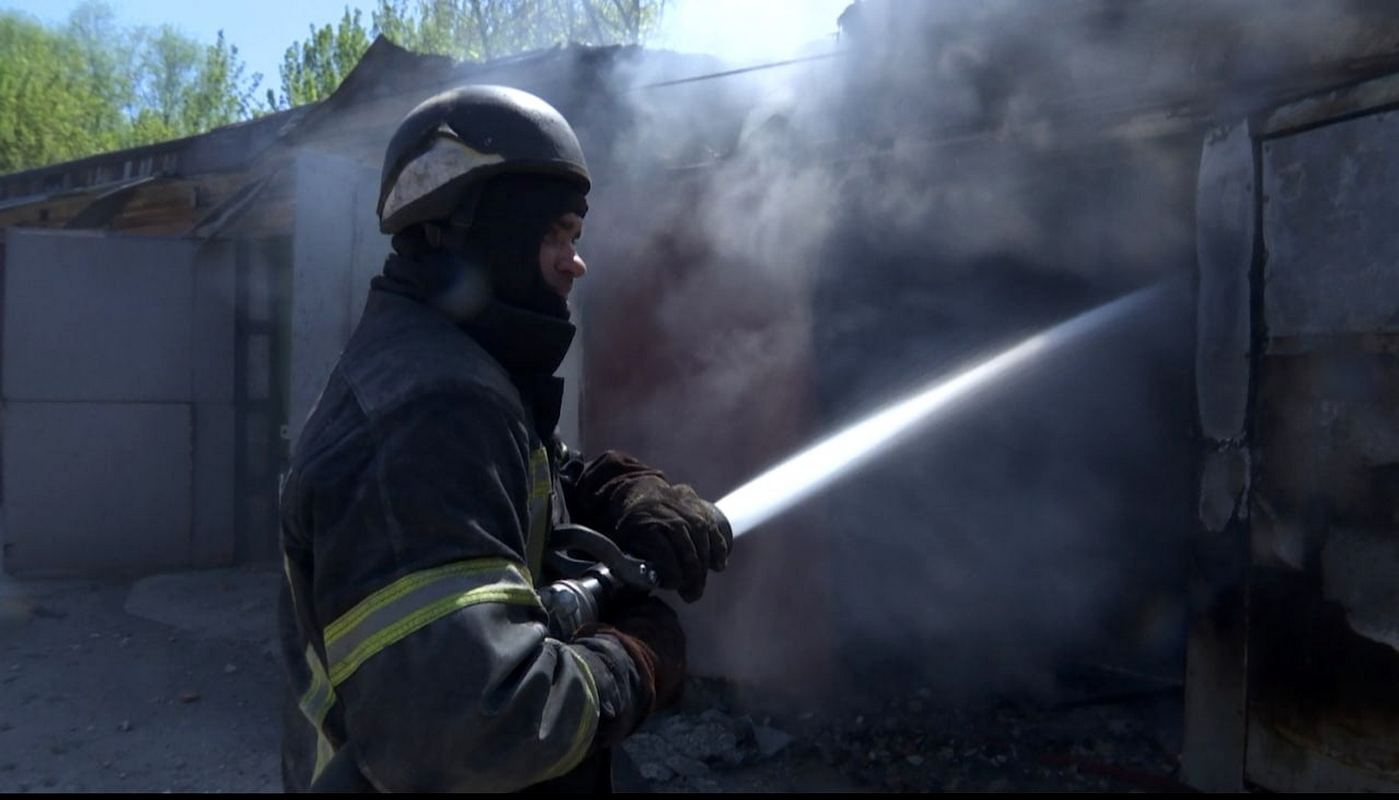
(468, 30)
(221, 95)
(91, 85)
(107, 61)
(487, 29)
(185, 88)
(314, 68)
(48, 105)
(168, 67)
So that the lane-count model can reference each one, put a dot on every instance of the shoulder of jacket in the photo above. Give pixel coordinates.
(413, 352)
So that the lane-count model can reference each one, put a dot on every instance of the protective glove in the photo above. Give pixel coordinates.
(651, 634)
(682, 535)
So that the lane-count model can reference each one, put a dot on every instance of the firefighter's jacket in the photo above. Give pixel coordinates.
(413, 521)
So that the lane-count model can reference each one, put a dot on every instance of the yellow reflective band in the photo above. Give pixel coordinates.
(587, 727)
(324, 753)
(541, 489)
(315, 705)
(320, 695)
(541, 481)
(415, 601)
(408, 584)
(345, 667)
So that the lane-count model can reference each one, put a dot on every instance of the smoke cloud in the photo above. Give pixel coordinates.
(787, 249)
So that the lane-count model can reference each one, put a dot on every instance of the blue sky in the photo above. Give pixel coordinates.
(743, 31)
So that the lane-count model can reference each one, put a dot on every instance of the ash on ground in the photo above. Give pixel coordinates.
(1101, 731)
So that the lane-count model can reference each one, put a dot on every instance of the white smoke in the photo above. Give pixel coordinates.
(832, 232)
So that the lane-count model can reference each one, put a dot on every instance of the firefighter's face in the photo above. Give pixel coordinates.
(559, 261)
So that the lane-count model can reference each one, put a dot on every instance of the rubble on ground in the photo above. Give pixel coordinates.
(913, 741)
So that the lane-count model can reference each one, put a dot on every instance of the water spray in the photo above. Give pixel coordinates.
(831, 459)
(609, 576)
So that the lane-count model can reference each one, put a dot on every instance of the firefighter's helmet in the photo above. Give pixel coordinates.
(448, 146)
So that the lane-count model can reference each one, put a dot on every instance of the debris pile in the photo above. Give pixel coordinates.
(684, 752)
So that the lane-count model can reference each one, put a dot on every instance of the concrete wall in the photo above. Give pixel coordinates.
(117, 383)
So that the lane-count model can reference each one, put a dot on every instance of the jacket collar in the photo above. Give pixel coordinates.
(524, 342)
(529, 345)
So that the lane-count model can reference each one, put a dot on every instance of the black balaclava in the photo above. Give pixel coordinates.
(511, 218)
(459, 266)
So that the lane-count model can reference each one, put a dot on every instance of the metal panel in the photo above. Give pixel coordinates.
(118, 337)
(1333, 247)
(96, 487)
(1225, 209)
(94, 318)
(1216, 658)
(1216, 651)
(1323, 640)
(1323, 645)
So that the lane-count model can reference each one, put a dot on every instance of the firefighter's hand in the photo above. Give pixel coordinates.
(651, 634)
(682, 535)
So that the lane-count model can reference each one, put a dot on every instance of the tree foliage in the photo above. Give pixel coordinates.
(487, 29)
(106, 56)
(49, 104)
(469, 30)
(91, 85)
(312, 69)
(182, 88)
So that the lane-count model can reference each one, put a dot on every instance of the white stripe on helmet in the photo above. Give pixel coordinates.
(447, 158)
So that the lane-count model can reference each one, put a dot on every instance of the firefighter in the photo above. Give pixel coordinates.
(428, 476)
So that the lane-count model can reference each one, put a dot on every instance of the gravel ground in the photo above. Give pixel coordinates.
(93, 697)
(170, 684)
